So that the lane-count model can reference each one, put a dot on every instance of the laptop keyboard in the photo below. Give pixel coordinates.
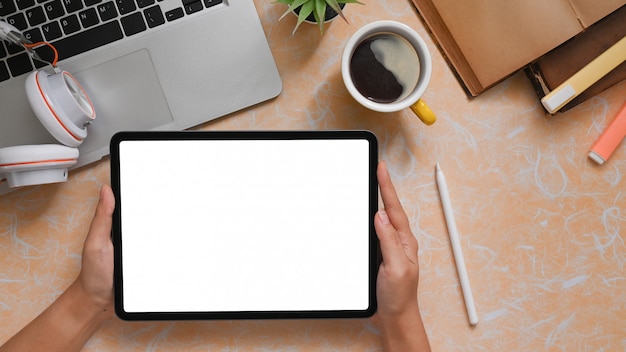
(77, 26)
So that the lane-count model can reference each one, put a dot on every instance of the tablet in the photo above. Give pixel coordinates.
(244, 225)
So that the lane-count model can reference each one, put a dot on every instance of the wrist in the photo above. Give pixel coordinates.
(404, 331)
(88, 305)
(399, 324)
(401, 315)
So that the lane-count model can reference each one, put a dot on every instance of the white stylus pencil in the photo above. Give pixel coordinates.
(456, 246)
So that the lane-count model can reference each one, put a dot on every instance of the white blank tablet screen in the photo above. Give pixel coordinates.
(252, 225)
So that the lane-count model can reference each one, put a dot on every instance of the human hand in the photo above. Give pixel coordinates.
(398, 275)
(95, 280)
(75, 315)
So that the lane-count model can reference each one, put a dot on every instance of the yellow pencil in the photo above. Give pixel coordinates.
(588, 75)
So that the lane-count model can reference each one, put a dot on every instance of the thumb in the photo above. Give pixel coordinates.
(390, 244)
(102, 220)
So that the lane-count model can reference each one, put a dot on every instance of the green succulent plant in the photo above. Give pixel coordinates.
(315, 7)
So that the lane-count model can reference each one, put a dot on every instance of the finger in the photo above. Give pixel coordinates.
(390, 245)
(390, 199)
(396, 213)
(102, 221)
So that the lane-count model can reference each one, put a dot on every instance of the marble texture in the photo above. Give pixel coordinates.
(542, 227)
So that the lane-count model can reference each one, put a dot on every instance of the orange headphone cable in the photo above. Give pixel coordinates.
(54, 50)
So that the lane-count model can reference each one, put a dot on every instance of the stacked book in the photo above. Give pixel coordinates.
(487, 41)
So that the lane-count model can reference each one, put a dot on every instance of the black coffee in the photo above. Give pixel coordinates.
(384, 68)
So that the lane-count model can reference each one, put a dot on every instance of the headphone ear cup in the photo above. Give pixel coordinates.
(61, 105)
(27, 165)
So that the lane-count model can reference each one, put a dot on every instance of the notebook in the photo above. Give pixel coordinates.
(146, 64)
(487, 41)
(234, 225)
(560, 64)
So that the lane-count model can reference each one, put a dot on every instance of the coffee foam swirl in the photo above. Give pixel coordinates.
(398, 56)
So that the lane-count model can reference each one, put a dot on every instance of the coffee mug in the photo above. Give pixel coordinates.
(386, 67)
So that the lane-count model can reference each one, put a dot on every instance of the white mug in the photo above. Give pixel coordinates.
(400, 55)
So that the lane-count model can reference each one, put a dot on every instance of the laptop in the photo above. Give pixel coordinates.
(146, 64)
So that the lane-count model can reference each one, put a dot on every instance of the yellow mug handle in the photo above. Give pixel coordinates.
(423, 112)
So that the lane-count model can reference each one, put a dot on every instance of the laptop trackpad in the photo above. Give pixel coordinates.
(127, 95)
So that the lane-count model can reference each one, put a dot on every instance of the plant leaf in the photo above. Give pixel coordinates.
(294, 5)
(306, 9)
(320, 13)
(335, 6)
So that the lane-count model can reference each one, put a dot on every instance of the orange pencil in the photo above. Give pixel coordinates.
(610, 138)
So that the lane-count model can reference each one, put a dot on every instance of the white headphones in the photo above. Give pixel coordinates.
(63, 108)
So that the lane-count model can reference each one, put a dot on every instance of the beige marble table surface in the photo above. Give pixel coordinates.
(542, 227)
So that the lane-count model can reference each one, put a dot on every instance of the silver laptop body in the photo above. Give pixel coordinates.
(177, 75)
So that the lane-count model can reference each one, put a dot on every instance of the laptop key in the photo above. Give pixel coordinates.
(174, 14)
(84, 41)
(70, 24)
(88, 17)
(7, 7)
(4, 72)
(13, 49)
(19, 21)
(154, 16)
(143, 3)
(107, 11)
(54, 9)
(35, 16)
(125, 6)
(24, 4)
(209, 3)
(73, 5)
(19, 64)
(133, 24)
(193, 7)
(34, 35)
(51, 31)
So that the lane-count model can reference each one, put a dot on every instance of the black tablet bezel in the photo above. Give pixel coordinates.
(374, 257)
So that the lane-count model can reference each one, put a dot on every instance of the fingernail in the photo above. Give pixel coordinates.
(384, 218)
